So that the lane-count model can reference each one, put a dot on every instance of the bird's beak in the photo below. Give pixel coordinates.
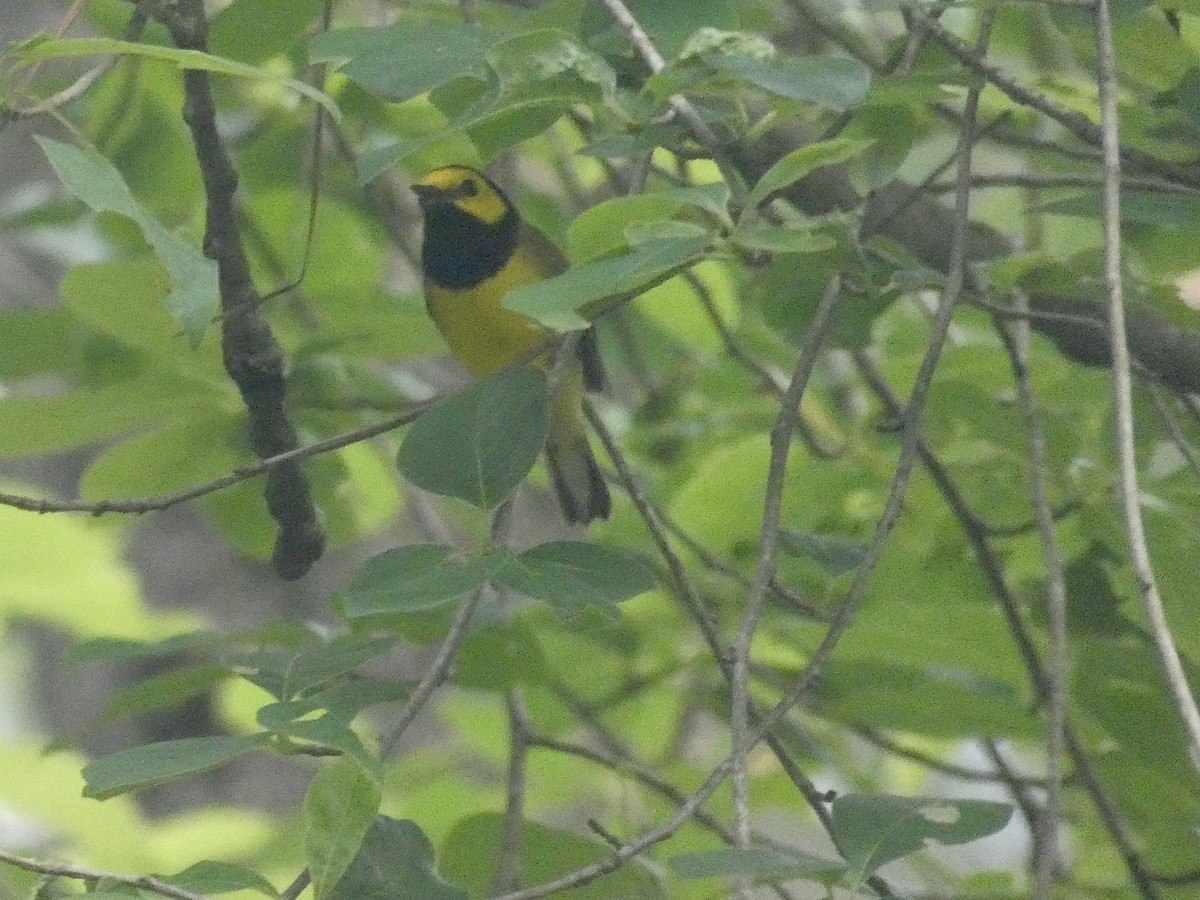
(428, 195)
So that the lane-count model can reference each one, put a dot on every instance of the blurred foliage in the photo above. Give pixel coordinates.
(594, 662)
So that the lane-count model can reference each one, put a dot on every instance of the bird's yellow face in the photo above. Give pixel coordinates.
(465, 188)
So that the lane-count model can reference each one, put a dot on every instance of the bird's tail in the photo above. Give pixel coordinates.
(578, 481)
(576, 475)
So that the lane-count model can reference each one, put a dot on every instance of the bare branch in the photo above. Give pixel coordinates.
(1181, 692)
(61, 870)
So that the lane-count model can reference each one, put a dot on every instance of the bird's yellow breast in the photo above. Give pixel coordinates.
(476, 326)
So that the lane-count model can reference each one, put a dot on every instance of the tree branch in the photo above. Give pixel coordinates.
(1135, 532)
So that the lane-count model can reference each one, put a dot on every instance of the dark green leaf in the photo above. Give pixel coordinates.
(668, 23)
(400, 61)
(791, 168)
(763, 864)
(328, 731)
(834, 82)
(479, 444)
(471, 849)
(94, 180)
(806, 237)
(151, 764)
(340, 806)
(394, 862)
(569, 575)
(286, 673)
(42, 48)
(410, 578)
(341, 702)
(162, 691)
(874, 829)
(835, 554)
(214, 877)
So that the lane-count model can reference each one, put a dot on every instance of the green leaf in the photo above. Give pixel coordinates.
(151, 764)
(763, 864)
(256, 30)
(874, 829)
(498, 657)
(800, 163)
(193, 298)
(339, 808)
(341, 702)
(605, 227)
(162, 691)
(287, 673)
(479, 444)
(37, 341)
(329, 731)
(213, 877)
(834, 82)
(406, 59)
(668, 23)
(835, 554)
(43, 48)
(892, 130)
(801, 237)
(554, 301)
(471, 849)
(410, 578)
(396, 862)
(569, 575)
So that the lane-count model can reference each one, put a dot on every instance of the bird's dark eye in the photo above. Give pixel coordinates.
(469, 188)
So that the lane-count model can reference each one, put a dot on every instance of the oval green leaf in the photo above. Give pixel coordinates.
(480, 444)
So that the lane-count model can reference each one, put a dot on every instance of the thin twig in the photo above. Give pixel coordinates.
(764, 572)
(438, 671)
(1016, 338)
(1167, 416)
(912, 421)
(62, 870)
(679, 105)
(1011, 607)
(139, 505)
(296, 888)
(771, 379)
(1181, 692)
(508, 869)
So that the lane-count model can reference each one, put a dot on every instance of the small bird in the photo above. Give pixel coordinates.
(477, 248)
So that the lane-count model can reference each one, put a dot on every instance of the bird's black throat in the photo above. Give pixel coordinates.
(460, 250)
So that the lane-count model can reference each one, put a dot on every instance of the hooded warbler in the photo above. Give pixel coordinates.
(477, 248)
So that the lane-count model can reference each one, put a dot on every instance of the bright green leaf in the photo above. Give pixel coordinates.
(339, 808)
(194, 297)
(554, 301)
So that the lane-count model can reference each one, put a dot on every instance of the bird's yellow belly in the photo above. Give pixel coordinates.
(476, 326)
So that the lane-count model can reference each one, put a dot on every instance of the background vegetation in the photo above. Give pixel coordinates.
(899, 594)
